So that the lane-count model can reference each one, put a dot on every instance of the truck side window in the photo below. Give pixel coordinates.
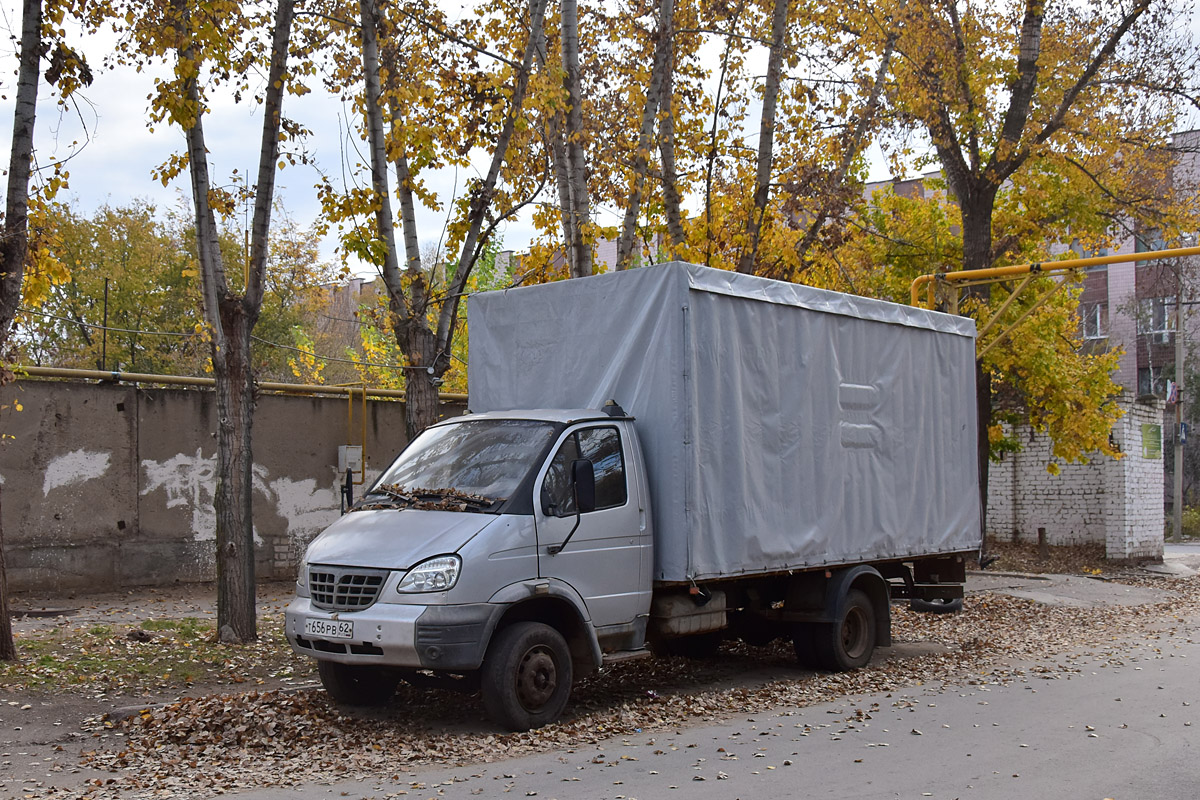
(557, 498)
(601, 446)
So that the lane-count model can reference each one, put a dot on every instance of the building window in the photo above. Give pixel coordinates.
(1147, 241)
(1153, 380)
(1156, 318)
(1094, 320)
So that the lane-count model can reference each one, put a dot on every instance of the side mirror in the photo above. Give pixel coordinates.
(583, 476)
(583, 486)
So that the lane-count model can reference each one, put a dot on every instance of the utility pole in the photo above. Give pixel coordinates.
(1177, 493)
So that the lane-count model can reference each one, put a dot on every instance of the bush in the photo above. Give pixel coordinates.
(1191, 522)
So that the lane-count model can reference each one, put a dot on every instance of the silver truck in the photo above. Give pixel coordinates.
(655, 460)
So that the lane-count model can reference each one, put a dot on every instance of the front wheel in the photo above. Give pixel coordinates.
(849, 641)
(526, 676)
(358, 684)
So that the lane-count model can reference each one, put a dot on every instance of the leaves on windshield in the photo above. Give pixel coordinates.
(391, 495)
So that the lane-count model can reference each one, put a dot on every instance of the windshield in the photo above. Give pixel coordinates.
(480, 461)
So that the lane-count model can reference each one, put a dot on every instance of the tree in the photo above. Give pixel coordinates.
(766, 134)
(1047, 377)
(376, 350)
(1017, 95)
(137, 274)
(765, 207)
(214, 42)
(425, 102)
(661, 66)
(128, 275)
(68, 71)
(575, 212)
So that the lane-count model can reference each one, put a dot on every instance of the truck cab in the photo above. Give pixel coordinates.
(508, 548)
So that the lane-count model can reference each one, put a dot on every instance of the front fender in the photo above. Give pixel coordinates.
(569, 611)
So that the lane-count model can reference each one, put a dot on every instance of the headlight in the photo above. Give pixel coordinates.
(435, 575)
(302, 581)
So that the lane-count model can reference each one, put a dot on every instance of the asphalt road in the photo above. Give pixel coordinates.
(1101, 725)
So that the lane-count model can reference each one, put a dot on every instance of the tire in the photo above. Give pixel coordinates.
(358, 684)
(526, 676)
(936, 606)
(849, 641)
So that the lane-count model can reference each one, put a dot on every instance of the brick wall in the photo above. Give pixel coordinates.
(1115, 502)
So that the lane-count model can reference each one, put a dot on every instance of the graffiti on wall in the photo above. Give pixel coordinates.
(189, 482)
(74, 468)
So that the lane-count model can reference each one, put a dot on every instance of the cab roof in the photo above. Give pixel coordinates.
(565, 416)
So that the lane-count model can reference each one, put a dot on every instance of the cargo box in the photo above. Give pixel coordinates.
(784, 427)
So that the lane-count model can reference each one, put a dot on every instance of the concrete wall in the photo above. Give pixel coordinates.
(1114, 502)
(108, 486)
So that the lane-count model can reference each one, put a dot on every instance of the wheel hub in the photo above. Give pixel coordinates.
(537, 678)
(854, 633)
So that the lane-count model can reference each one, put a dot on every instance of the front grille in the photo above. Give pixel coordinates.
(344, 588)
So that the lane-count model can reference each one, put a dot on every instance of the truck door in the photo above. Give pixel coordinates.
(602, 560)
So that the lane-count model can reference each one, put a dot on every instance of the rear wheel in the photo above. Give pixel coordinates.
(849, 642)
(358, 684)
(526, 676)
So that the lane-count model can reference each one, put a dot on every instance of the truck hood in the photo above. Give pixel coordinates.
(394, 539)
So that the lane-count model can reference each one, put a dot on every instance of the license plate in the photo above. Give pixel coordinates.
(329, 628)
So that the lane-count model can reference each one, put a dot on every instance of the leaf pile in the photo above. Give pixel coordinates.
(426, 499)
(1064, 560)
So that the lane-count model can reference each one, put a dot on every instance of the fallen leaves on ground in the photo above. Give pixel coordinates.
(1081, 559)
(203, 746)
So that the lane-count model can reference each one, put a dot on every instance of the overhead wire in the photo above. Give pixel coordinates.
(186, 334)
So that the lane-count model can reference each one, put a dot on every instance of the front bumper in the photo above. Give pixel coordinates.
(451, 638)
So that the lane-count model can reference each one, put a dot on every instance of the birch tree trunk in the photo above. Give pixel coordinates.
(15, 244)
(766, 140)
(231, 319)
(581, 258)
(426, 348)
(666, 154)
(558, 161)
(641, 156)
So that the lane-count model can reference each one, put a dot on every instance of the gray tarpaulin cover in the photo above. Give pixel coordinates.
(783, 426)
